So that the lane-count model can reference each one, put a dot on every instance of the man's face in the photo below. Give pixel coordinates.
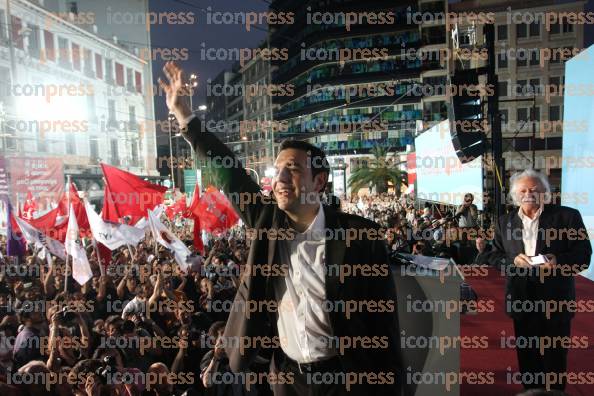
(480, 244)
(294, 179)
(529, 192)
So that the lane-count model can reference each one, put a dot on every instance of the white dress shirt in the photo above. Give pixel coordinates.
(303, 326)
(529, 231)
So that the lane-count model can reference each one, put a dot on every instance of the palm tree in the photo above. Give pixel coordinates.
(377, 172)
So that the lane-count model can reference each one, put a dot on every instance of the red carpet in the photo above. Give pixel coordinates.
(496, 359)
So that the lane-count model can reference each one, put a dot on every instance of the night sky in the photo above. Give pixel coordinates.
(192, 37)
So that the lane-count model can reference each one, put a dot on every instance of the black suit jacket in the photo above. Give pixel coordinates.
(359, 326)
(573, 252)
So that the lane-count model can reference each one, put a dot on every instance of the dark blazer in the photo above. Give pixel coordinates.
(257, 287)
(570, 251)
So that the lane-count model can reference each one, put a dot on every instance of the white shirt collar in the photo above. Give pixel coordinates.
(524, 217)
(317, 225)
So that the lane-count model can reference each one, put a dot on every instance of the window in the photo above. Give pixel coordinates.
(502, 88)
(535, 113)
(504, 114)
(557, 83)
(555, 113)
(502, 60)
(34, 41)
(70, 144)
(534, 29)
(134, 152)
(75, 56)
(41, 142)
(50, 51)
(535, 88)
(3, 31)
(522, 56)
(5, 86)
(94, 148)
(114, 152)
(111, 110)
(64, 52)
(88, 60)
(119, 70)
(521, 30)
(521, 88)
(98, 66)
(129, 80)
(138, 78)
(502, 32)
(534, 57)
(17, 37)
(73, 7)
(132, 118)
(521, 144)
(522, 114)
(567, 28)
(109, 71)
(555, 59)
(555, 28)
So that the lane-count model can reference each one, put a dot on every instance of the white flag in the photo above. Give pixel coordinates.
(34, 236)
(112, 235)
(81, 270)
(170, 241)
(143, 223)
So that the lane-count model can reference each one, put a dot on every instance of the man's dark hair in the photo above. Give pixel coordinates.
(317, 159)
(215, 327)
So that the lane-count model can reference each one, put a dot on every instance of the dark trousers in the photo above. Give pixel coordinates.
(322, 382)
(530, 360)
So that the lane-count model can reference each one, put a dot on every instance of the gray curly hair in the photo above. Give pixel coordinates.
(531, 173)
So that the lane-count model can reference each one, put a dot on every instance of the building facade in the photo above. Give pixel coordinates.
(71, 90)
(359, 85)
(530, 68)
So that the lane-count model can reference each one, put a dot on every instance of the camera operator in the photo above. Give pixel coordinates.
(467, 213)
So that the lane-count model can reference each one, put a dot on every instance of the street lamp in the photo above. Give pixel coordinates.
(270, 172)
(170, 118)
(245, 148)
(193, 83)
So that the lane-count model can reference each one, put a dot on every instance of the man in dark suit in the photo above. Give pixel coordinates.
(311, 245)
(539, 296)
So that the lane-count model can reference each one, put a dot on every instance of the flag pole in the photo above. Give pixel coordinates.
(101, 269)
(67, 255)
(130, 251)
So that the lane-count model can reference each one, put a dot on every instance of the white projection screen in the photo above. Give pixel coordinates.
(441, 177)
(577, 172)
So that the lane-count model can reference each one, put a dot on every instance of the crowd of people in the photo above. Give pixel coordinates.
(430, 230)
(141, 326)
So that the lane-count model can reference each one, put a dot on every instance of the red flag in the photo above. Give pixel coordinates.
(128, 195)
(189, 213)
(46, 222)
(215, 211)
(110, 210)
(195, 200)
(58, 231)
(105, 254)
(179, 207)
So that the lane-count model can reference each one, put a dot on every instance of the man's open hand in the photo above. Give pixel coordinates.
(176, 92)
